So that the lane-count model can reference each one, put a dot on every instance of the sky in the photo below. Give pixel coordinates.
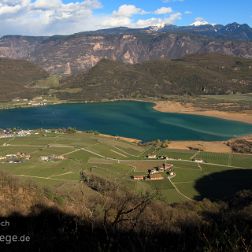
(50, 17)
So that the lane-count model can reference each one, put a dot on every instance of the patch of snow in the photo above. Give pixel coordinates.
(199, 21)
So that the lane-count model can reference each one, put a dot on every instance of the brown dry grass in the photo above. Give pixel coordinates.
(219, 147)
(188, 108)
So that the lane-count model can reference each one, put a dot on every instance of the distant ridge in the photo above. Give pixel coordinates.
(81, 51)
(192, 75)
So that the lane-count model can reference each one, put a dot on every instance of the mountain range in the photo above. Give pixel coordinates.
(66, 55)
(192, 75)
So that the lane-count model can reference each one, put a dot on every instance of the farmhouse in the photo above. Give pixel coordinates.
(44, 158)
(138, 177)
(171, 173)
(155, 177)
(163, 168)
(23, 133)
(23, 155)
(16, 158)
(12, 133)
(154, 170)
(198, 161)
(155, 173)
(13, 158)
(167, 167)
(52, 158)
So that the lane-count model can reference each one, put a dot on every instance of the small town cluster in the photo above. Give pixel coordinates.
(37, 101)
(8, 133)
(20, 157)
(156, 173)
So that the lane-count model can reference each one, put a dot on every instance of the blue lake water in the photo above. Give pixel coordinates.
(124, 118)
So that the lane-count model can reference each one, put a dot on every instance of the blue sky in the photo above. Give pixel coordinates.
(214, 11)
(48, 17)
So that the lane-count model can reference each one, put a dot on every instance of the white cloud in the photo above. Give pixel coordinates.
(45, 4)
(188, 12)
(49, 17)
(173, 18)
(12, 6)
(122, 16)
(128, 10)
(199, 21)
(159, 22)
(150, 22)
(163, 10)
(46, 17)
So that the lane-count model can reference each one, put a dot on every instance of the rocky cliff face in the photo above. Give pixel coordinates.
(69, 54)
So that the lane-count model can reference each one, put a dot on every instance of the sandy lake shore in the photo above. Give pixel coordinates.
(219, 147)
(126, 139)
(177, 107)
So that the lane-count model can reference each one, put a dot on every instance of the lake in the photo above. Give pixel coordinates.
(124, 118)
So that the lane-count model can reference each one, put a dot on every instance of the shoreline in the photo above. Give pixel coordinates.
(126, 139)
(162, 106)
(177, 107)
(59, 102)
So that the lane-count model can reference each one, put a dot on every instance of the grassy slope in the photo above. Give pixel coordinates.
(84, 152)
(15, 75)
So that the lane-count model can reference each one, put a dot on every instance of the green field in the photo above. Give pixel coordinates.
(117, 160)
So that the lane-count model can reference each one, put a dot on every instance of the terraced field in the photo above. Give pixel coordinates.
(117, 160)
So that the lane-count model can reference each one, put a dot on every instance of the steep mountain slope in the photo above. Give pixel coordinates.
(196, 74)
(15, 75)
(82, 51)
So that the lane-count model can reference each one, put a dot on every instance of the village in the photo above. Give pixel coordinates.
(20, 157)
(8, 133)
(156, 173)
(37, 101)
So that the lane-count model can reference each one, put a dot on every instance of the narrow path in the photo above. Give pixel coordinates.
(46, 178)
(194, 155)
(60, 146)
(178, 191)
(125, 152)
(133, 168)
(26, 145)
(199, 166)
(181, 160)
(120, 154)
(63, 174)
(92, 152)
(184, 182)
(70, 152)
